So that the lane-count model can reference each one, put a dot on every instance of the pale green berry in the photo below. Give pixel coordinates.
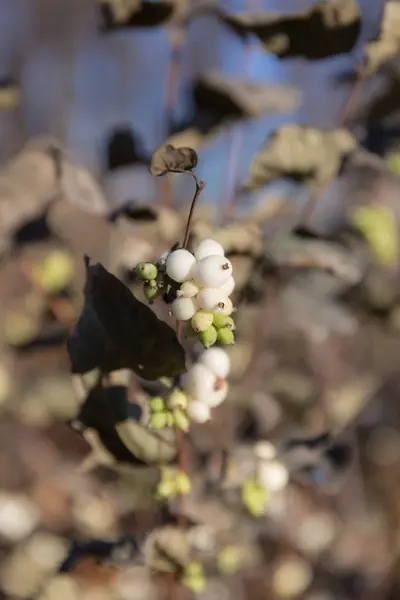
(166, 489)
(220, 320)
(181, 419)
(170, 419)
(151, 291)
(195, 584)
(202, 320)
(157, 404)
(182, 483)
(159, 420)
(208, 337)
(146, 270)
(229, 559)
(177, 399)
(194, 568)
(254, 497)
(188, 289)
(225, 336)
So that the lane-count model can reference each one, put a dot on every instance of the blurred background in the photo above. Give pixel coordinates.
(315, 368)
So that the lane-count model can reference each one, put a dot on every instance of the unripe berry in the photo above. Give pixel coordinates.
(180, 264)
(225, 336)
(157, 404)
(183, 308)
(170, 419)
(182, 483)
(166, 489)
(226, 309)
(159, 420)
(151, 291)
(212, 271)
(188, 289)
(211, 299)
(146, 270)
(221, 320)
(181, 419)
(208, 337)
(202, 320)
(177, 399)
(228, 287)
(217, 360)
(199, 412)
(208, 247)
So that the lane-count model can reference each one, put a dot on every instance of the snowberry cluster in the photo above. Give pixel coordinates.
(205, 383)
(203, 296)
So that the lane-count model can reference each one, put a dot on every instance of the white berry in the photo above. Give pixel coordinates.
(216, 397)
(273, 475)
(217, 360)
(226, 309)
(212, 271)
(180, 264)
(188, 289)
(199, 412)
(199, 382)
(211, 299)
(183, 308)
(228, 287)
(208, 248)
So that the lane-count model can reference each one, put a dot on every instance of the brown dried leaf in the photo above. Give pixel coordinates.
(167, 158)
(118, 14)
(329, 28)
(116, 331)
(302, 153)
(167, 549)
(231, 97)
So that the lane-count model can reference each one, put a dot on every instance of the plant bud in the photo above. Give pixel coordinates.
(159, 420)
(220, 320)
(225, 336)
(202, 320)
(181, 419)
(182, 483)
(209, 336)
(146, 270)
(157, 404)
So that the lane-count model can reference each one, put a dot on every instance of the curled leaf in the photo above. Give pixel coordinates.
(328, 28)
(305, 154)
(167, 158)
(116, 331)
(378, 225)
(167, 549)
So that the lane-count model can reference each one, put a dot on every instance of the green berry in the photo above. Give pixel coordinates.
(177, 399)
(193, 569)
(159, 420)
(225, 336)
(254, 497)
(181, 419)
(221, 321)
(147, 270)
(195, 584)
(182, 483)
(157, 404)
(170, 419)
(208, 337)
(166, 489)
(202, 320)
(151, 291)
(229, 559)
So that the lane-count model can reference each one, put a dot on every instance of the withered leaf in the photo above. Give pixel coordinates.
(329, 28)
(305, 154)
(167, 549)
(118, 14)
(116, 331)
(230, 97)
(167, 158)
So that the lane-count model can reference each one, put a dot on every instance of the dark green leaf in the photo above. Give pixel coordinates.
(116, 331)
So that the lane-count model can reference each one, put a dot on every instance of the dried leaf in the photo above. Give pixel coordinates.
(118, 14)
(167, 549)
(230, 97)
(116, 331)
(379, 226)
(167, 158)
(305, 154)
(329, 28)
(378, 51)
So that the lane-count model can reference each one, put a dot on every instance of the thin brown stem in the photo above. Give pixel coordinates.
(200, 185)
